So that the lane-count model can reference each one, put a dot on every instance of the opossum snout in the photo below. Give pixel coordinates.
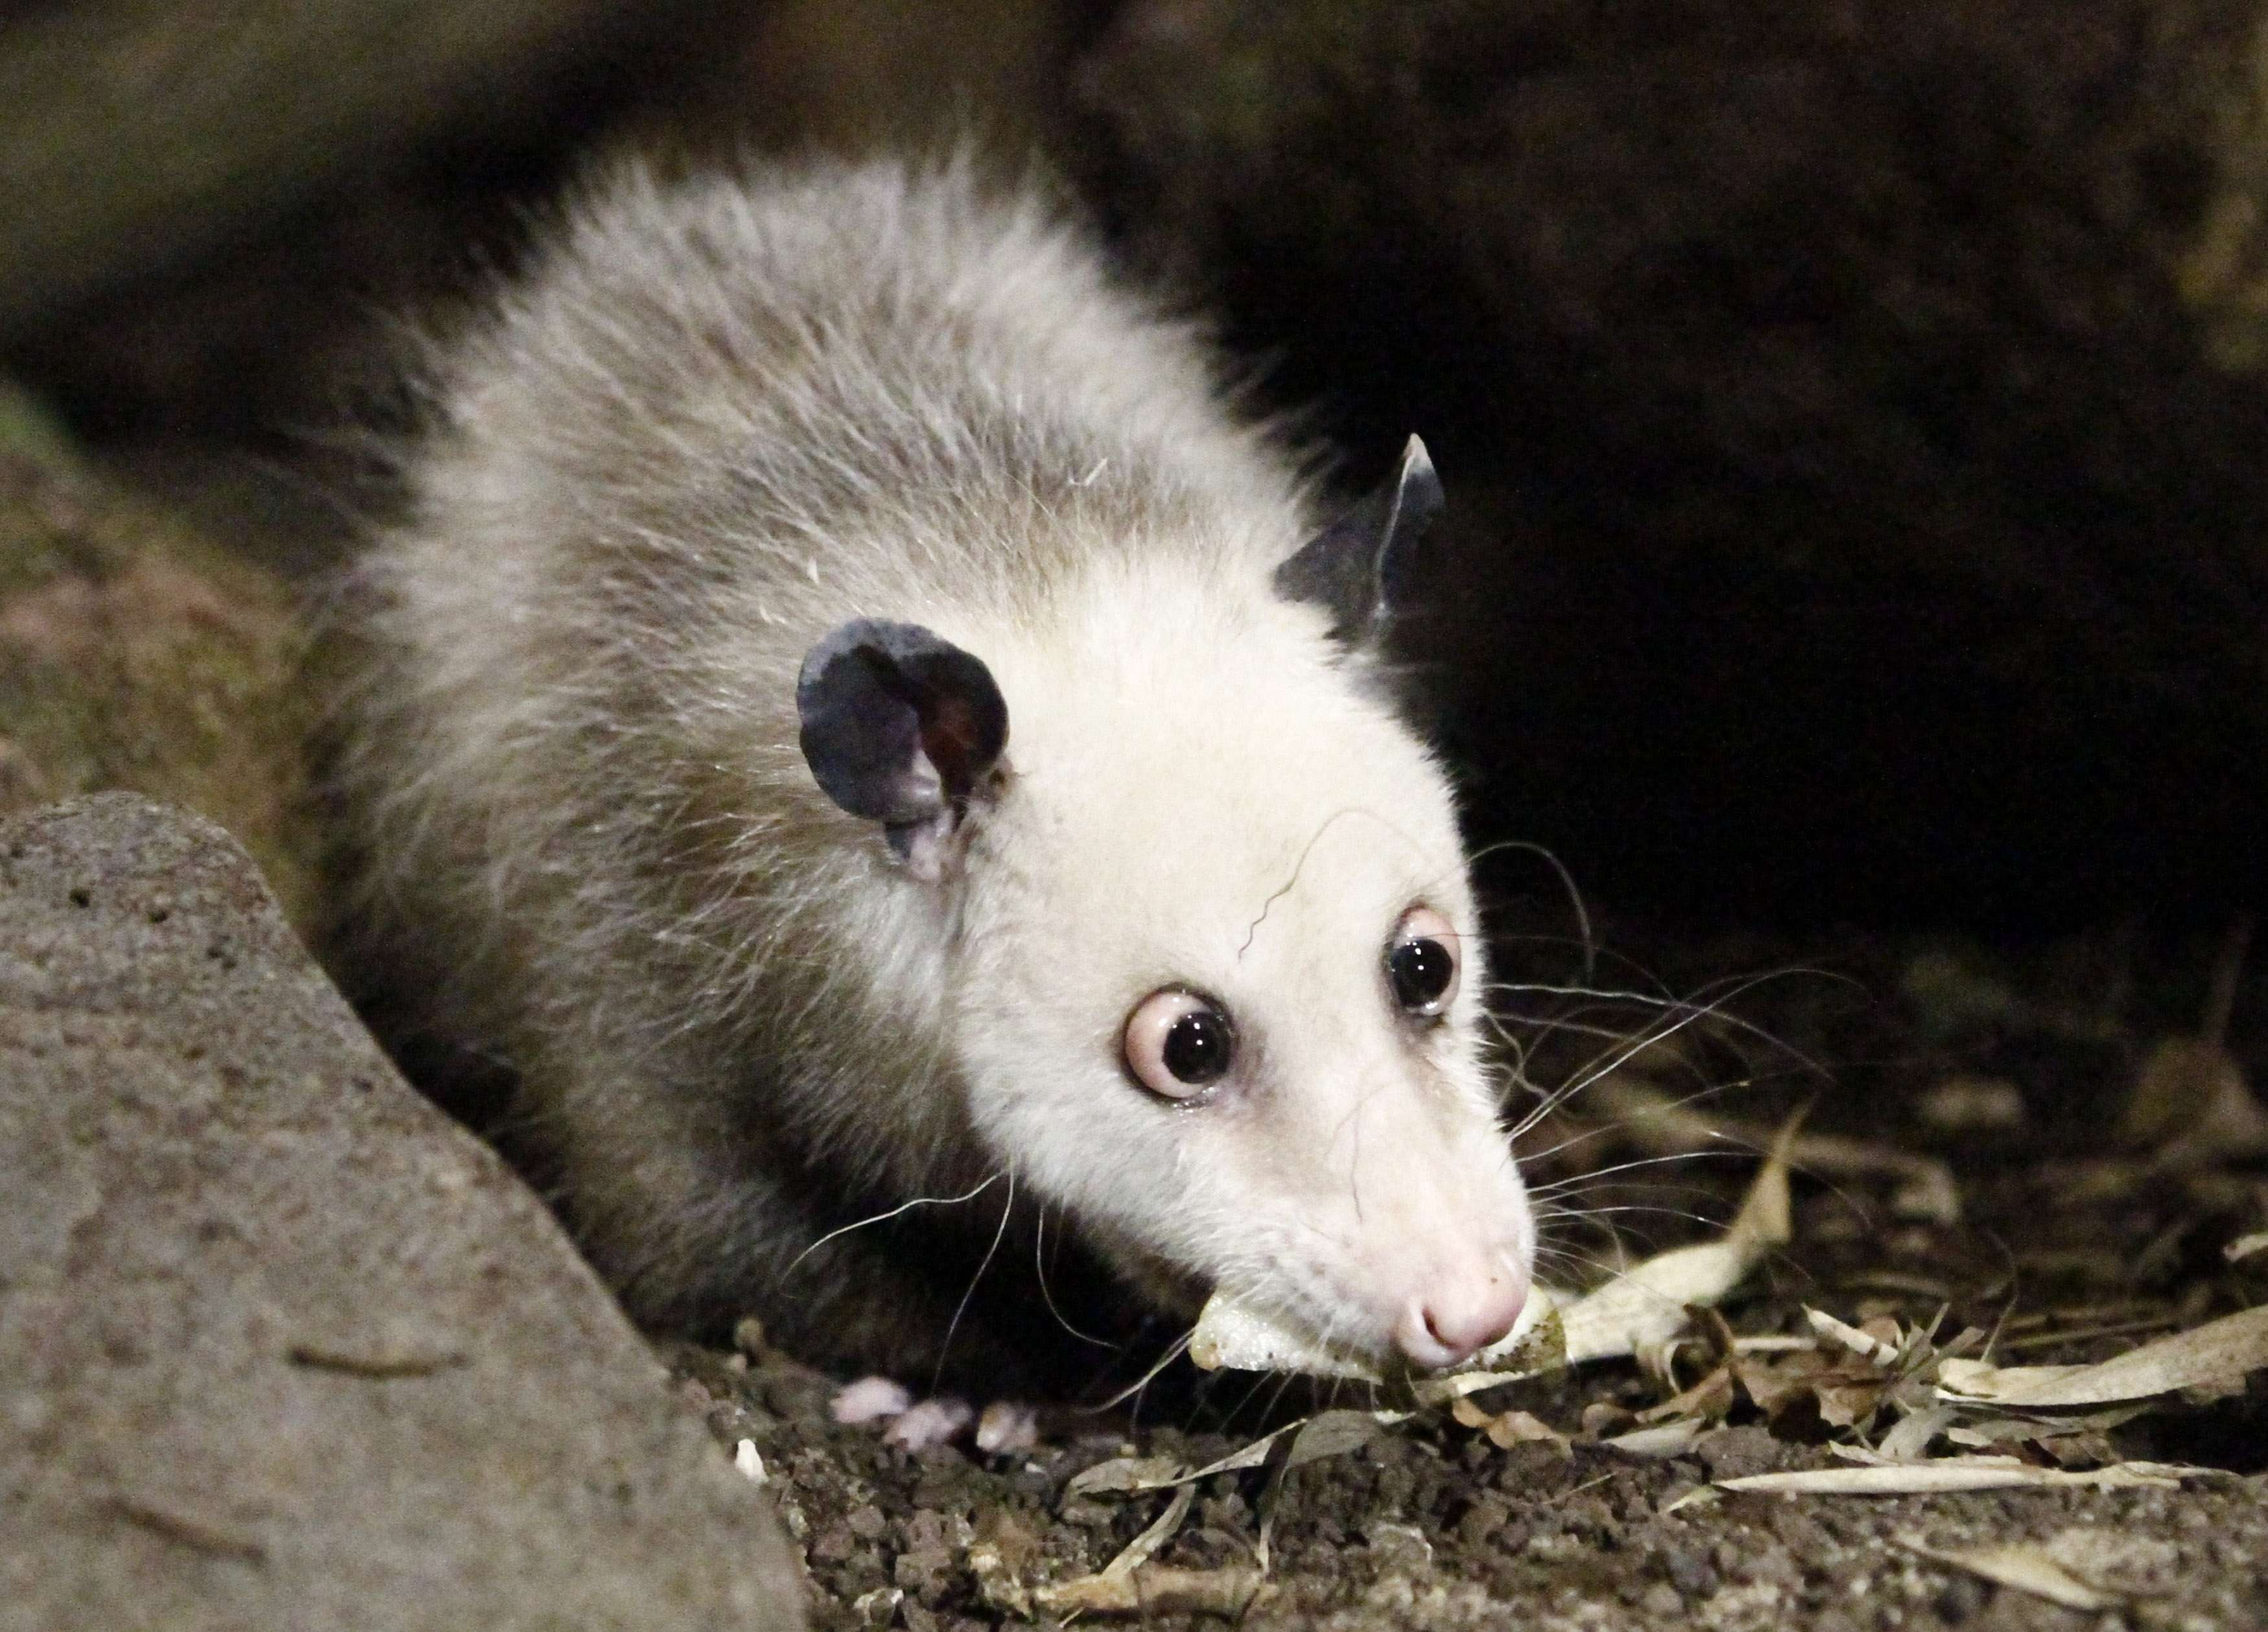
(1461, 1311)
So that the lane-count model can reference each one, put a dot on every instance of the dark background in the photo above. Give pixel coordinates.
(1853, 414)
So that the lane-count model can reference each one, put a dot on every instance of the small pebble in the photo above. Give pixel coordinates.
(1689, 1572)
(751, 1465)
(1662, 1602)
(1960, 1599)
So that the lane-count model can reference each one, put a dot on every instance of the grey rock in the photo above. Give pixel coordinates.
(280, 1345)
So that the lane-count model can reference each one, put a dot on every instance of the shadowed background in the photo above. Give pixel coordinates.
(1854, 419)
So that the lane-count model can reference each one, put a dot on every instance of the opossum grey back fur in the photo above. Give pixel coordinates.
(717, 419)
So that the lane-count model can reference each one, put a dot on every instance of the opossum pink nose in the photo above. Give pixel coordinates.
(1458, 1316)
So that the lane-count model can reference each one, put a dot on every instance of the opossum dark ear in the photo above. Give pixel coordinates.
(1355, 567)
(898, 725)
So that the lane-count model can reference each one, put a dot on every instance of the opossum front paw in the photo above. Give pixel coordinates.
(870, 1399)
(932, 1422)
(911, 1427)
(1005, 1425)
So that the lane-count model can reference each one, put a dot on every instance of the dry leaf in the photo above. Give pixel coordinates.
(1507, 1428)
(2020, 1565)
(1336, 1433)
(1126, 1474)
(1775, 1387)
(2190, 1100)
(1155, 1589)
(1646, 1303)
(1139, 1551)
(1328, 1433)
(1912, 1438)
(1957, 1474)
(2000, 1430)
(1849, 1404)
(1517, 1428)
(1603, 1417)
(1708, 1401)
(1669, 1439)
(1112, 1589)
(1867, 1345)
(2219, 1354)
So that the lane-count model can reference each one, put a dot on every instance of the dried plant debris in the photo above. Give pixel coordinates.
(1640, 1312)
(1130, 1583)
(2216, 1356)
(1941, 1475)
(1329, 1433)
(2192, 1105)
(2023, 1565)
(1899, 1387)
(1897, 1391)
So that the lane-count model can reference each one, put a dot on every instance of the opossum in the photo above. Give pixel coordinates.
(900, 770)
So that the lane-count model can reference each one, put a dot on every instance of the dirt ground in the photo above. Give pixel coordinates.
(2091, 1207)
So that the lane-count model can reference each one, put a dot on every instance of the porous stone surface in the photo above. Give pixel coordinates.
(279, 1344)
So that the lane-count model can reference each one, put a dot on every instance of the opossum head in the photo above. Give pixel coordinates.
(1218, 981)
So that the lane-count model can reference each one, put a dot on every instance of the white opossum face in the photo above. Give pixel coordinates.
(1218, 981)
(1222, 996)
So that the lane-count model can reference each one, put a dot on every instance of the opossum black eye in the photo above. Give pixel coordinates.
(1177, 1043)
(1421, 961)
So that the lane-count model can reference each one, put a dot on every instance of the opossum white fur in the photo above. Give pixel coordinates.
(717, 421)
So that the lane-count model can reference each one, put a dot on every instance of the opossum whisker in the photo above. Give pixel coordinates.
(1711, 1000)
(945, 1346)
(1594, 1071)
(1686, 1215)
(884, 1218)
(1582, 1182)
(1627, 1048)
(1620, 1124)
(1284, 1385)
(1273, 1384)
(1173, 1351)
(1566, 882)
(1040, 1271)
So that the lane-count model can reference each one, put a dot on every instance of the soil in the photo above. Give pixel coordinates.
(2016, 1072)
